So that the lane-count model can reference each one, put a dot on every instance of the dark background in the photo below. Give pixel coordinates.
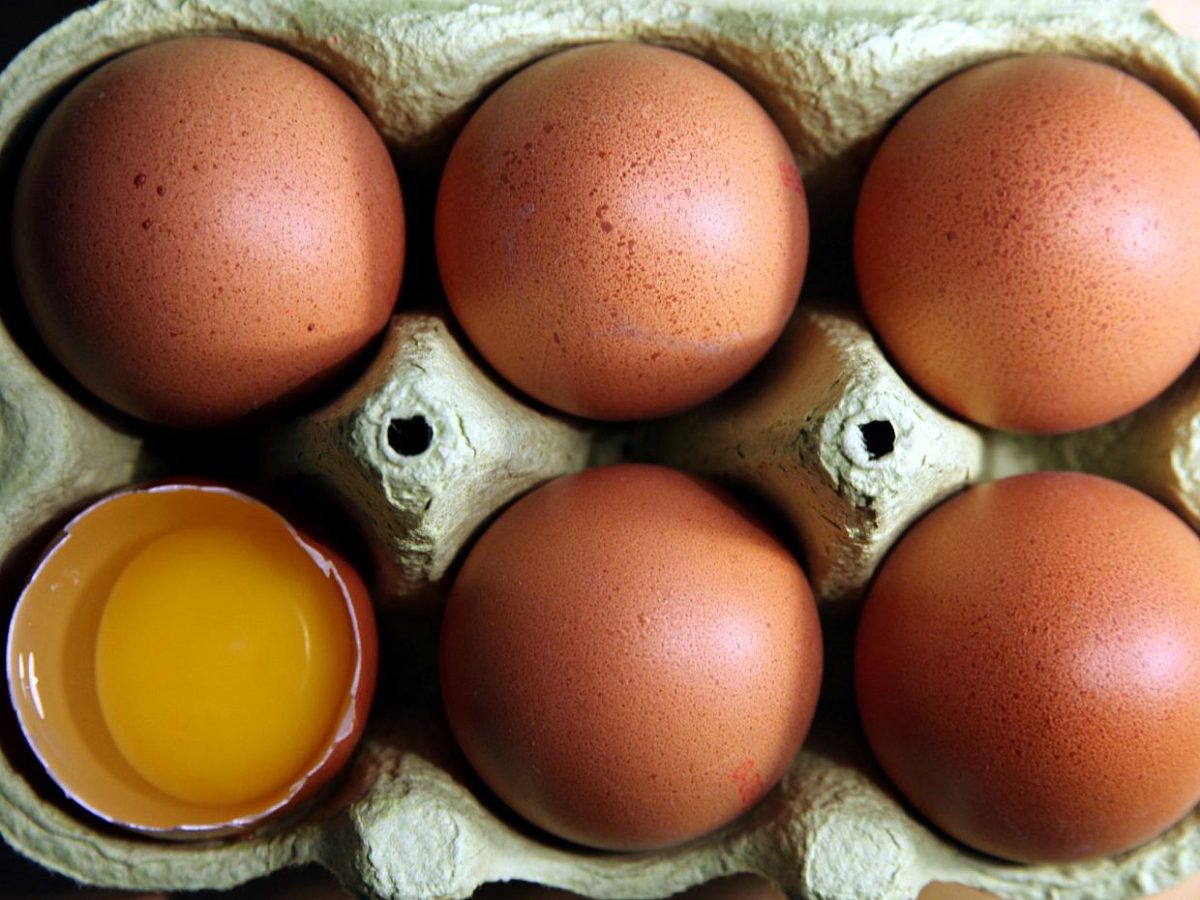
(24, 20)
(20, 22)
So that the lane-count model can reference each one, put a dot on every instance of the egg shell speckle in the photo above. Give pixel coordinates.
(629, 659)
(1028, 667)
(1025, 243)
(206, 226)
(621, 231)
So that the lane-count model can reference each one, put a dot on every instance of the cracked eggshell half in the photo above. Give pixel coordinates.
(126, 641)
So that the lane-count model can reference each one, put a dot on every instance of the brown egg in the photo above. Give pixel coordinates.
(1028, 667)
(1025, 239)
(629, 659)
(621, 231)
(204, 227)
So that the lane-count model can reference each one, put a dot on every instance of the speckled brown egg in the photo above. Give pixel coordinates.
(629, 659)
(205, 227)
(1028, 667)
(621, 231)
(1025, 243)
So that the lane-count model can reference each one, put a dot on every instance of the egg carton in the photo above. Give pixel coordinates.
(427, 445)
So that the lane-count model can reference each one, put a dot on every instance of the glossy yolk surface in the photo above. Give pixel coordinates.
(223, 661)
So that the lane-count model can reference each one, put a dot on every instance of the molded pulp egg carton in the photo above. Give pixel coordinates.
(427, 445)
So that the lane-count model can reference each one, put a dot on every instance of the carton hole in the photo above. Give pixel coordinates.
(409, 437)
(878, 437)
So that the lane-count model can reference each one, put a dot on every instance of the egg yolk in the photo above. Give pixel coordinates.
(223, 662)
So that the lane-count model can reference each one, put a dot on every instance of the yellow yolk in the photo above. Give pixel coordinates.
(223, 662)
